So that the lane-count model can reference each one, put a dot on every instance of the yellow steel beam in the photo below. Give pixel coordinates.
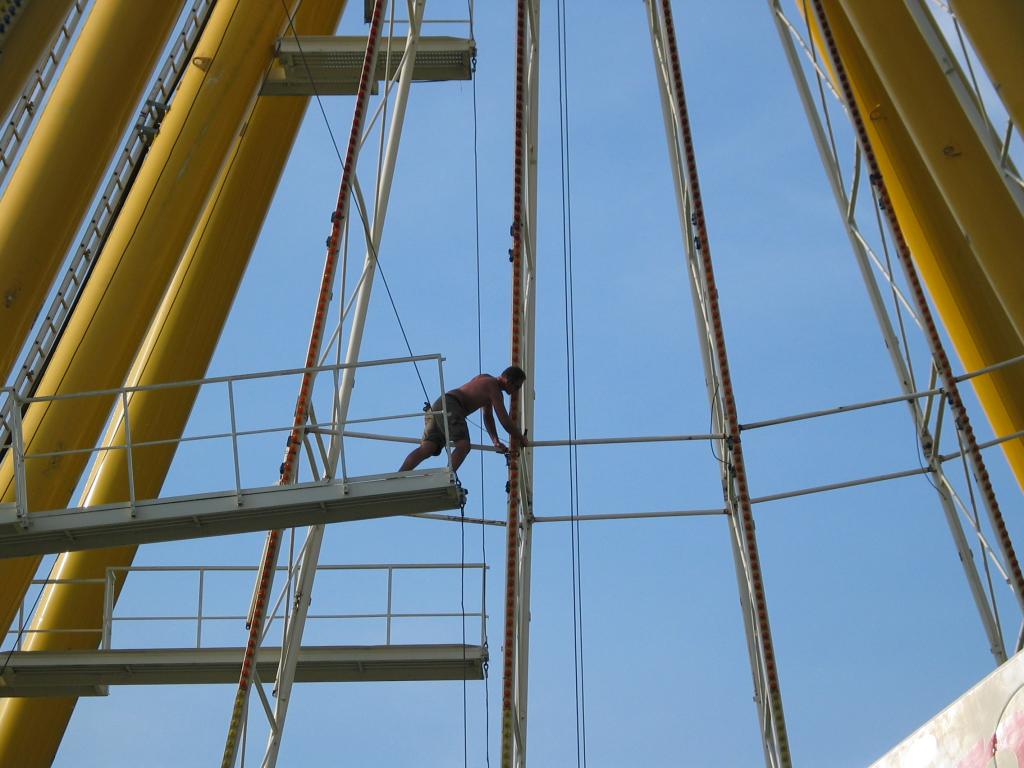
(980, 329)
(178, 347)
(996, 28)
(138, 262)
(64, 161)
(30, 34)
(964, 172)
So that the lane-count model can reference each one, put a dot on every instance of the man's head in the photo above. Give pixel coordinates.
(512, 379)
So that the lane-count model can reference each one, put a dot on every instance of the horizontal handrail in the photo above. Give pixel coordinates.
(116, 574)
(222, 379)
(324, 463)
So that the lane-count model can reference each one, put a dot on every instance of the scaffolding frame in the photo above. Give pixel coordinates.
(331, 456)
(743, 538)
(302, 578)
(846, 201)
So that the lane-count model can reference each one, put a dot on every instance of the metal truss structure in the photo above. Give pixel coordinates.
(316, 488)
(91, 673)
(928, 421)
(767, 691)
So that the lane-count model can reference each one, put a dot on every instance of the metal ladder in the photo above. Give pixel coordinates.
(105, 212)
(25, 110)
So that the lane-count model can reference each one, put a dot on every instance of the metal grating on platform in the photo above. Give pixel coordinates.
(333, 64)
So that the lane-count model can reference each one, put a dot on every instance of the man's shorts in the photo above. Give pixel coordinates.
(433, 425)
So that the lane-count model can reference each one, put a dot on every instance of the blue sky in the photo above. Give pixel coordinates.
(873, 625)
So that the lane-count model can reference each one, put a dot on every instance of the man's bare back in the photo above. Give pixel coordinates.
(485, 391)
(479, 391)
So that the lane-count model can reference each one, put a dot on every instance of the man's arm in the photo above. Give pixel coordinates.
(498, 404)
(491, 429)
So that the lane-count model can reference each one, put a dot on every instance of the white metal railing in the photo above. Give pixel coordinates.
(24, 458)
(116, 577)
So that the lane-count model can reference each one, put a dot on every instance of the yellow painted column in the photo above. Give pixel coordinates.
(178, 347)
(996, 29)
(54, 181)
(965, 174)
(21, 48)
(979, 328)
(141, 254)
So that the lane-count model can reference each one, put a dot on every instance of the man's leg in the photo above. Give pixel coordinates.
(425, 451)
(459, 453)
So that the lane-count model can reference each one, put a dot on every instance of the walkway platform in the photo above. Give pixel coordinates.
(333, 64)
(219, 514)
(89, 673)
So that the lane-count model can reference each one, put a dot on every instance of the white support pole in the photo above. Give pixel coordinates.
(18, 446)
(292, 640)
(771, 729)
(528, 392)
(386, 176)
(964, 551)
(515, 664)
(710, 372)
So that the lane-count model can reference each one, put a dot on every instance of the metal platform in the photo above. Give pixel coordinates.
(218, 514)
(88, 673)
(333, 63)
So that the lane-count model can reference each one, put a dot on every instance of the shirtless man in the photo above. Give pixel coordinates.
(483, 391)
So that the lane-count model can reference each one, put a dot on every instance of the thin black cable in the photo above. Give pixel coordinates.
(711, 424)
(568, 376)
(895, 297)
(480, 369)
(970, 67)
(312, 81)
(571, 395)
(981, 545)
(821, 94)
(405, 337)
(575, 432)
(903, 340)
(355, 200)
(391, 298)
(462, 507)
(462, 604)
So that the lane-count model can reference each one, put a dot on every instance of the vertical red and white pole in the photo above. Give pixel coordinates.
(508, 710)
(289, 468)
(775, 729)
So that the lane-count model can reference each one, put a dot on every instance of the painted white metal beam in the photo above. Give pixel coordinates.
(218, 514)
(292, 644)
(770, 720)
(87, 673)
